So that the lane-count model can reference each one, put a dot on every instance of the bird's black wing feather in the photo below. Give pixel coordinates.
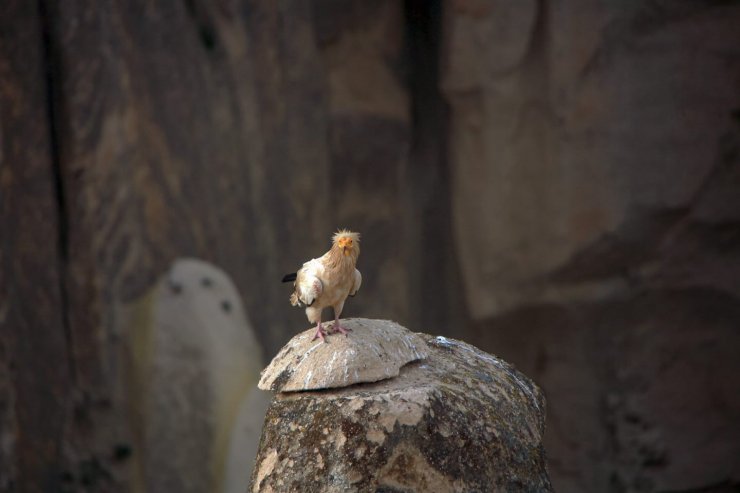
(290, 277)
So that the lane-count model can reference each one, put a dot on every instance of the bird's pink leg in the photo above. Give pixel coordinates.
(339, 328)
(319, 332)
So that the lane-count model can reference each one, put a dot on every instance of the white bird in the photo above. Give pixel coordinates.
(327, 281)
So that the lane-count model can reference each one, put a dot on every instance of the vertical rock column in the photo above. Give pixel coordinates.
(385, 409)
(192, 365)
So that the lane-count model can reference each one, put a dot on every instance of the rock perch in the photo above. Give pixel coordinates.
(451, 419)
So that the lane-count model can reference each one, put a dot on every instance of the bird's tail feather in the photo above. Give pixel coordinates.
(290, 277)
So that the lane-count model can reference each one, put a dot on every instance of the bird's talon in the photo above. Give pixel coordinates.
(342, 330)
(319, 334)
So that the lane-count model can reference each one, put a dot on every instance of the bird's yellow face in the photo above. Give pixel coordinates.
(345, 243)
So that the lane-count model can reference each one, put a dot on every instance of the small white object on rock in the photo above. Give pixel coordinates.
(374, 350)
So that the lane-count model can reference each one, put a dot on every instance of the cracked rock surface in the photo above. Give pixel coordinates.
(458, 420)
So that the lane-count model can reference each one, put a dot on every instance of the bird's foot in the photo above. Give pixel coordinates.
(319, 334)
(338, 328)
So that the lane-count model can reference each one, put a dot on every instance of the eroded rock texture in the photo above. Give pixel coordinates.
(34, 371)
(594, 147)
(568, 104)
(234, 132)
(572, 164)
(460, 420)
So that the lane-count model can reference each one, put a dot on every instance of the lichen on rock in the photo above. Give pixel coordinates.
(458, 420)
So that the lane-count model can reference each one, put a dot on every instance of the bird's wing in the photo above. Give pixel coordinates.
(308, 284)
(356, 284)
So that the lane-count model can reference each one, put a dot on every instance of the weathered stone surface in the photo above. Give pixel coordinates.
(193, 366)
(593, 157)
(181, 129)
(590, 120)
(361, 44)
(590, 192)
(34, 349)
(374, 350)
(461, 420)
(659, 368)
(235, 132)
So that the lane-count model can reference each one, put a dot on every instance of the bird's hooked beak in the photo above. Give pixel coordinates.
(346, 245)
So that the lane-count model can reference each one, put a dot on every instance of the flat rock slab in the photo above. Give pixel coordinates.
(374, 350)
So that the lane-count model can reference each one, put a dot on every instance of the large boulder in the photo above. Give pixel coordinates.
(458, 420)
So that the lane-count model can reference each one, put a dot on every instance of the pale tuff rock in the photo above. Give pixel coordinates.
(458, 420)
(374, 350)
(193, 367)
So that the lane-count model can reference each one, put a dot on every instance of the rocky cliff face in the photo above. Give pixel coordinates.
(604, 130)
(456, 419)
(594, 146)
(552, 181)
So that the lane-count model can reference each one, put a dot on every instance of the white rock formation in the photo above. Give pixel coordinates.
(194, 364)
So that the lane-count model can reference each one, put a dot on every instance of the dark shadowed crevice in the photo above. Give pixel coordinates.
(435, 293)
(724, 486)
(54, 101)
(206, 32)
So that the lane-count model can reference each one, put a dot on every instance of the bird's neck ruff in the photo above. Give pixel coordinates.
(337, 261)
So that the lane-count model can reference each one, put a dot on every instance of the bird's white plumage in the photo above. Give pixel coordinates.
(308, 283)
(327, 281)
(357, 283)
